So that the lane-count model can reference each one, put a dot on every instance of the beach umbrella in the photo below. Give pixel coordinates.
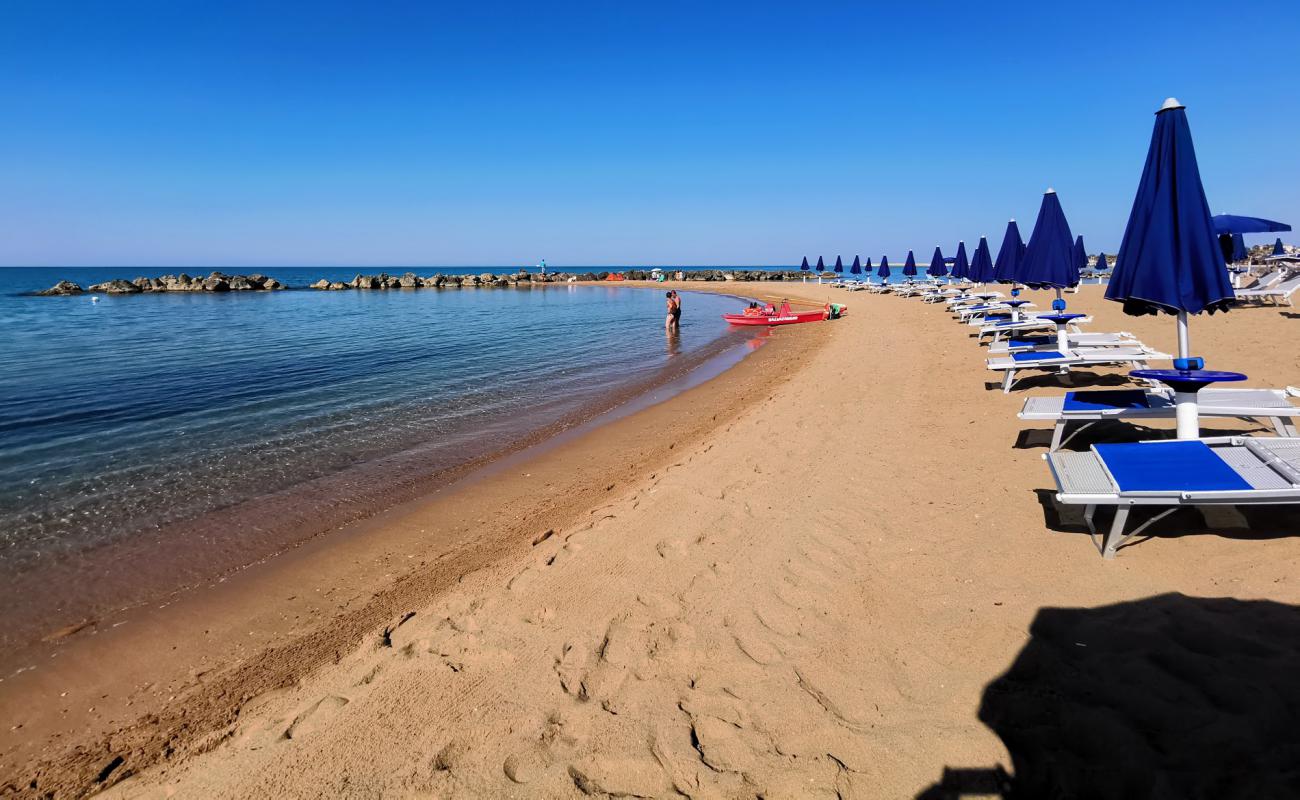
(1239, 252)
(1231, 223)
(961, 266)
(839, 264)
(804, 266)
(981, 267)
(1004, 269)
(1277, 247)
(1080, 253)
(909, 266)
(1169, 260)
(1049, 261)
(1102, 266)
(883, 272)
(856, 269)
(937, 268)
(821, 265)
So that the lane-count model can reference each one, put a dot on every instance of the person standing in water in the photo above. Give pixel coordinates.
(674, 319)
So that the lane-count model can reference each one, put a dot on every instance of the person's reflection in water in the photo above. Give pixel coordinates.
(673, 338)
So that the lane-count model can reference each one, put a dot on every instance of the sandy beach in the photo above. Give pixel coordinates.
(833, 571)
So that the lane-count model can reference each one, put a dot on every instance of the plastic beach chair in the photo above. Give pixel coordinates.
(1275, 294)
(1061, 362)
(1081, 410)
(1225, 470)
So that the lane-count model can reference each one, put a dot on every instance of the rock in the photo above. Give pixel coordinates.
(216, 283)
(469, 280)
(117, 286)
(142, 283)
(409, 281)
(337, 285)
(61, 288)
(320, 284)
(272, 283)
(239, 283)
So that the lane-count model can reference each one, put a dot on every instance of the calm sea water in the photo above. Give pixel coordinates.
(121, 417)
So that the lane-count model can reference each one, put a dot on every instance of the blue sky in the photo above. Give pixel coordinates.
(188, 133)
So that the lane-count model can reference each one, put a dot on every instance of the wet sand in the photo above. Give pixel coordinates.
(834, 570)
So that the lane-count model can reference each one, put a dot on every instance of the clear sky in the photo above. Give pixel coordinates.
(180, 132)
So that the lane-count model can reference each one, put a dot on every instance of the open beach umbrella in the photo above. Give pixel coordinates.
(937, 268)
(804, 266)
(1231, 223)
(1049, 261)
(909, 266)
(856, 269)
(883, 272)
(981, 267)
(1080, 253)
(961, 266)
(1277, 247)
(1169, 260)
(1004, 269)
(839, 264)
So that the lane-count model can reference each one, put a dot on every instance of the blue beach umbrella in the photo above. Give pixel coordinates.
(1239, 252)
(1169, 260)
(867, 266)
(1102, 266)
(821, 265)
(937, 268)
(804, 266)
(981, 267)
(856, 269)
(909, 266)
(1004, 269)
(1049, 261)
(961, 266)
(883, 272)
(1232, 223)
(1277, 247)
(839, 264)
(1080, 253)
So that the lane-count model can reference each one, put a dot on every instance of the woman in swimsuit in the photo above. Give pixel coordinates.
(673, 322)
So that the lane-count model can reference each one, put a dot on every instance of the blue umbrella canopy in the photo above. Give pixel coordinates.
(821, 265)
(867, 266)
(1049, 261)
(883, 272)
(804, 265)
(1277, 247)
(1169, 259)
(1004, 269)
(1080, 253)
(909, 267)
(856, 269)
(961, 266)
(937, 268)
(1231, 223)
(1101, 262)
(1239, 252)
(981, 267)
(839, 264)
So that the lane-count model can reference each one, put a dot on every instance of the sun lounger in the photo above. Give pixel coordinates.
(1275, 294)
(1002, 329)
(1056, 361)
(1225, 470)
(1267, 281)
(1080, 340)
(1081, 410)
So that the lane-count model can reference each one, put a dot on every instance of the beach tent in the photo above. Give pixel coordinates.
(1169, 261)
(909, 266)
(938, 268)
(856, 269)
(981, 267)
(839, 264)
(1049, 261)
(961, 266)
(1004, 269)
(883, 272)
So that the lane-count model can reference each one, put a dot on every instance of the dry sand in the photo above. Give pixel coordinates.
(850, 583)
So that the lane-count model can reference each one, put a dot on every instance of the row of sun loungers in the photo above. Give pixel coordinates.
(1161, 474)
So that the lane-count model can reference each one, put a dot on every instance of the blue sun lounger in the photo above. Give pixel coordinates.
(1225, 470)
(1135, 357)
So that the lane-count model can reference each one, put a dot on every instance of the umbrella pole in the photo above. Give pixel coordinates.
(1189, 424)
(1184, 346)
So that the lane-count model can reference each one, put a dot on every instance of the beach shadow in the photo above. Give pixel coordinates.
(1166, 697)
(959, 783)
(1033, 438)
(1290, 315)
(1074, 380)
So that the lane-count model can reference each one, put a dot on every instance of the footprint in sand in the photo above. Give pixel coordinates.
(316, 717)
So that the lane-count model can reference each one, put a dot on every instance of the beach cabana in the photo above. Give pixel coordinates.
(856, 269)
(981, 267)
(909, 266)
(1169, 261)
(937, 268)
(961, 265)
(1004, 269)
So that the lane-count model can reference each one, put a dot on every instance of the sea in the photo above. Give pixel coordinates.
(204, 431)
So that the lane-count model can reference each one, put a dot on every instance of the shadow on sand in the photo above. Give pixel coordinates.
(1166, 697)
(1070, 381)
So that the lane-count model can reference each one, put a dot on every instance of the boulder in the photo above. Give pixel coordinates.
(320, 284)
(238, 283)
(487, 277)
(116, 286)
(409, 281)
(61, 288)
(216, 283)
(337, 286)
(469, 280)
(271, 284)
(142, 283)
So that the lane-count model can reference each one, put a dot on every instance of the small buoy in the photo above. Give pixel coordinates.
(94, 298)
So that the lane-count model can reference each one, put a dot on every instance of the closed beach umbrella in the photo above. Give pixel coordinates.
(804, 265)
(821, 265)
(1169, 260)
(1049, 261)
(909, 266)
(867, 266)
(937, 268)
(1277, 247)
(1102, 266)
(1239, 248)
(961, 266)
(883, 272)
(981, 267)
(1080, 253)
(856, 269)
(1004, 269)
(839, 264)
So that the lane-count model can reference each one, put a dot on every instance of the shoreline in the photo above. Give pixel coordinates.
(205, 686)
